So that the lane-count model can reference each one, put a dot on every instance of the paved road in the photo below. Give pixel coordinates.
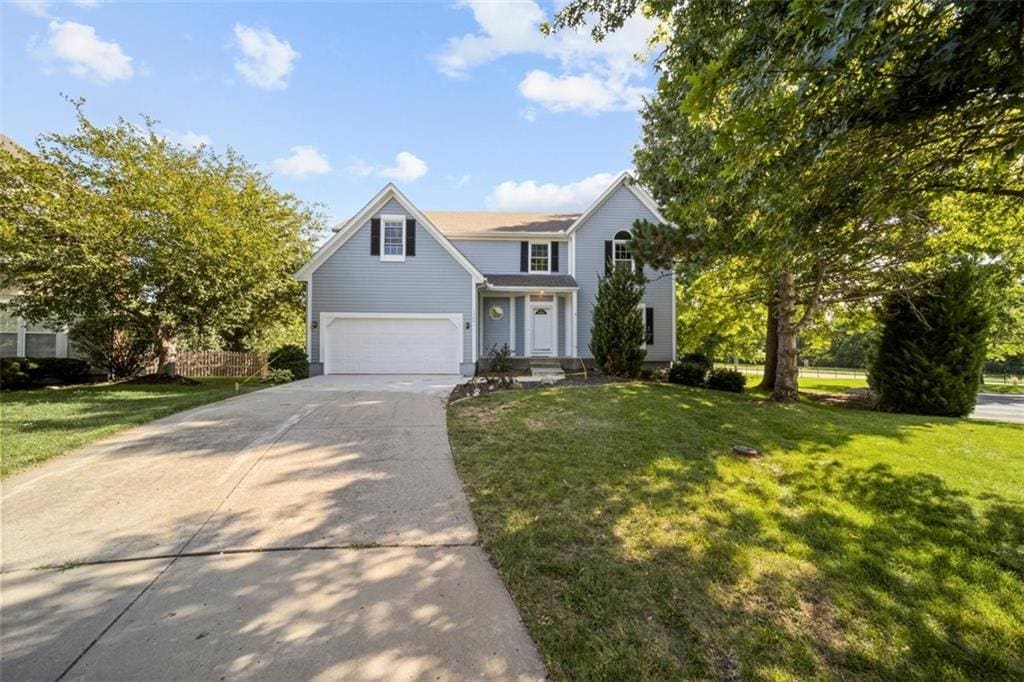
(1000, 407)
(316, 530)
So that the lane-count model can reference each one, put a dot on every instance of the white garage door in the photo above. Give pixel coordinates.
(393, 344)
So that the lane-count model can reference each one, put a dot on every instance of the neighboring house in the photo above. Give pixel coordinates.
(19, 338)
(397, 290)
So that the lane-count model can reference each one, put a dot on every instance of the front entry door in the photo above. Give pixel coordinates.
(543, 329)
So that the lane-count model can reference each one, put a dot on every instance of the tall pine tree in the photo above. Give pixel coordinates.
(617, 338)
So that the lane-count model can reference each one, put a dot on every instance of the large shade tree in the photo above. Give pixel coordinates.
(815, 139)
(120, 226)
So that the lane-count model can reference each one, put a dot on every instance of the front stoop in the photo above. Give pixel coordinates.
(545, 371)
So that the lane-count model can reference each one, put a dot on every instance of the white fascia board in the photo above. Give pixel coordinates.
(624, 178)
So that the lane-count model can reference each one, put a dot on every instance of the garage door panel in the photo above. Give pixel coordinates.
(393, 345)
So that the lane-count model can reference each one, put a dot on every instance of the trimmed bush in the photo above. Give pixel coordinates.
(932, 346)
(18, 373)
(726, 380)
(292, 358)
(698, 358)
(687, 373)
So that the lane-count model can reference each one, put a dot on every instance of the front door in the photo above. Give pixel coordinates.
(543, 329)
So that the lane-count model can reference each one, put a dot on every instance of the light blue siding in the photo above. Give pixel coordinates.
(496, 332)
(520, 325)
(501, 257)
(619, 212)
(353, 281)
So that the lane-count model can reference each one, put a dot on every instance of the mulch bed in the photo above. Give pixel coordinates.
(490, 383)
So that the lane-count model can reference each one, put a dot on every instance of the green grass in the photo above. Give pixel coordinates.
(832, 385)
(861, 546)
(37, 425)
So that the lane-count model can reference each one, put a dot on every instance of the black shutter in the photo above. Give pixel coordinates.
(524, 256)
(374, 236)
(649, 324)
(607, 257)
(410, 237)
(554, 256)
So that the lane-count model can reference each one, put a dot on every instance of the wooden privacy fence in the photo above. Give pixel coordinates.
(218, 363)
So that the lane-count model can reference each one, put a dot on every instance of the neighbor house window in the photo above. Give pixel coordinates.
(393, 230)
(8, 334)
(540, 257)
(40, 341)
(622, 256)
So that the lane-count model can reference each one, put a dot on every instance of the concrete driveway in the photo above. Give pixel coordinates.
(316, 530)
(999, 407)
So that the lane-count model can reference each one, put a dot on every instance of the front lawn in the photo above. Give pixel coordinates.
(37, 425)
(862, 545)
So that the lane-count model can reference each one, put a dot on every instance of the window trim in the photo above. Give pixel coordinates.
(547, 258)
(616, 240)
(384, 220)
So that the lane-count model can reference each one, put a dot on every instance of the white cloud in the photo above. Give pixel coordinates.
(41, 8)
(529, 114)
(266, 60)
(188, 138)
(305, 160)
(594, 71)
(86, 55)
(458, 181)
(531, 196)
(408, 167)
(586, 93)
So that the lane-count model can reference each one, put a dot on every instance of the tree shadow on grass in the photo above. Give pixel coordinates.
(644, 550)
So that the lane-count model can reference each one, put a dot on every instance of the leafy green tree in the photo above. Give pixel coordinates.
(932, 346)
(120, 224)
(617, 337)
(812, 139)
(720, 312)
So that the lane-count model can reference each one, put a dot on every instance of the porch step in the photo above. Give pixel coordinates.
(545, 362)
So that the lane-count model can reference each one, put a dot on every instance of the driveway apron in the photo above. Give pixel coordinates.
(316, 530)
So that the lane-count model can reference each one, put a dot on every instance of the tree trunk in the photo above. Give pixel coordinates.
(786, 372)
(771, 348)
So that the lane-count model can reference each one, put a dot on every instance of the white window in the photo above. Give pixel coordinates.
(8, 334)
(622, 256)
(540, 257)
(21, 338)
(392, 237)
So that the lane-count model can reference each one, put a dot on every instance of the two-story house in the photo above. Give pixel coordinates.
(397, 290)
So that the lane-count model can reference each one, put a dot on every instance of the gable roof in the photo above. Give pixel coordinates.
(350, 226)
(623, 180)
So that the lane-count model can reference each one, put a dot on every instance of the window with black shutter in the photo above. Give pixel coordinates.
(649, 325)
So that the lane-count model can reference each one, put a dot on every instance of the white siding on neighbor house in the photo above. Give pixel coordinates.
(501, 256)
(618, 213)
(353, 281)
(496, 332)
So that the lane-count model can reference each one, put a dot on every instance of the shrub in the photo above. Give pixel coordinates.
(293, 358)
(501, 359)
(726, 380)
(687, 373)
(279, 376)
(121, 345)
(618, 333)
(698, 358)
(16, 373)
(932, 346)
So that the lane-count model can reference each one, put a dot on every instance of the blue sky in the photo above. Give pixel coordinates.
(464, 105)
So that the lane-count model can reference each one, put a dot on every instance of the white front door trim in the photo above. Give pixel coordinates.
(553, 329)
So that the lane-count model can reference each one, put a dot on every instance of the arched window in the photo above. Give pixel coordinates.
(622, 256)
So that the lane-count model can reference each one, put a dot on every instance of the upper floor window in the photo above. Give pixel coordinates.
(393, 237)
(540, 257)
(622, 255)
